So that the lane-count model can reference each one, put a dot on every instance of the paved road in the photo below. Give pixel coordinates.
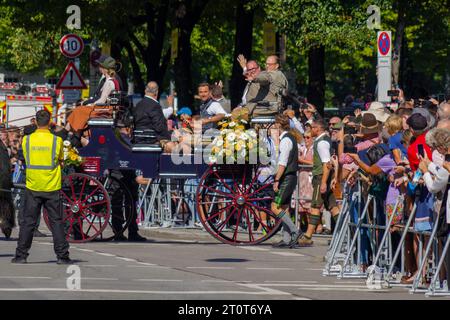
(180, 264)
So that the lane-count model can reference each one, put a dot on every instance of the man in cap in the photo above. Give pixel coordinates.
(431, 120)
(419, 128)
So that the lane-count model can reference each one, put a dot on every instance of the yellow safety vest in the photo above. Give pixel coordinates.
(43, 152)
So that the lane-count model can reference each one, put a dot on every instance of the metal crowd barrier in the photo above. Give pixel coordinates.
(344, 254)
(163, 203)
(168, 203)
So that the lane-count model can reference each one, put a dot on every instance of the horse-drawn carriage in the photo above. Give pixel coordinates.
(232, 200)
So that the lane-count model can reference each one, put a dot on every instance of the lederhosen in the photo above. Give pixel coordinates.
(318, 198)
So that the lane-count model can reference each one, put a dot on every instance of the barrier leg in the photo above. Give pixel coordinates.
(142, 199)
(338, 227)
(423, 261)
(339, 237)
(374, 268)
(435, 288)
(400, 246)
(352, 271)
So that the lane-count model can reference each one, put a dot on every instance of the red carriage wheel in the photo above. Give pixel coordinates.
(233, 202)
(86, 208)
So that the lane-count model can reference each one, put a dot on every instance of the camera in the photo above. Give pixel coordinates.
(393, 93)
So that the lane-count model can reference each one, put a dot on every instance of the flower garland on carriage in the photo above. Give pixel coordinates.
(72, 159)
(236, 142)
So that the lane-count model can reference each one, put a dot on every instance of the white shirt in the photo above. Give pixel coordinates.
(323, 148)
(244, 99)
(167, 112)
(107, 88)
(439, 183)
(214, 109)
(285, 149)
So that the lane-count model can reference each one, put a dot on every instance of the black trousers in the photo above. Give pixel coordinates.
(34, 201)
(128, 177)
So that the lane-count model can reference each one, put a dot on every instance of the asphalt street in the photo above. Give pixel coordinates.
(180, 264)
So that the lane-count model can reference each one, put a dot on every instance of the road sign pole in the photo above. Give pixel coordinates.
(384, 67)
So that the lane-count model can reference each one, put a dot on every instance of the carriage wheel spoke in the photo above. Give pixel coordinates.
(82, 187)
(90, 212)
(90, 195)
(238, 220)
(252, 182)
(249, 225)
(259, 199)
(218, 212)
(227, 195)
(91, 224)
(269, 212)
(223, 182)
(95, 203)
(70, 214)
(260, 189)
(223, 223)
(236, 183)
(65, 196)
(255, 215)
(74, 196)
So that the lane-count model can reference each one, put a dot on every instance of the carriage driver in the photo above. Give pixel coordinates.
(43, 153)
(286, 181)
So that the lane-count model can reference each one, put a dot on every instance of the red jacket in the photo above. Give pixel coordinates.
(413, 151)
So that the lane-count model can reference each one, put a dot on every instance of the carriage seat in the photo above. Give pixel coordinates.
(143, 141)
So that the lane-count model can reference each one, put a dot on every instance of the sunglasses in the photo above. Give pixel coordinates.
(307, 137)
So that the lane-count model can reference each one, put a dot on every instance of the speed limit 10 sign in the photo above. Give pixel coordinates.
(71, 45)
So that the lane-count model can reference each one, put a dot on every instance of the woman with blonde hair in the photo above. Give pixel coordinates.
(79, 117)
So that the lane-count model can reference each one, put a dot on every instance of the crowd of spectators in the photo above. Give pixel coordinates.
(400, 152)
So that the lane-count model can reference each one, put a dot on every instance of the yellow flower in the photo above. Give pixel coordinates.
(238, 147)
(240, 127)
(250, 145)
(73, 157)
(228, 153)
(225, 125)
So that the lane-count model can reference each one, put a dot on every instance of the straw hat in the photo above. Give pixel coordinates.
(379, 111)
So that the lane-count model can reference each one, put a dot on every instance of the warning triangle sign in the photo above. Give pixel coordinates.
(71, 78)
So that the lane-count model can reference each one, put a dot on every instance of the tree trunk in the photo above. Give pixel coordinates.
(183, 75)
(188, 13)
(116, 53)
(242, 45)
(316, 79)
(400, 31)
(156, 30)
(137, 75)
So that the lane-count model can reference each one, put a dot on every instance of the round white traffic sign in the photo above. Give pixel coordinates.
(71, 45)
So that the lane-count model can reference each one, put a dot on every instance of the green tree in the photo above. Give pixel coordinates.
(316, 26)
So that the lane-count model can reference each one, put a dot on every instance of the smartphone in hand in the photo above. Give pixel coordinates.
(421, 150)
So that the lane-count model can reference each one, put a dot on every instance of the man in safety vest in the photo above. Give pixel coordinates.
(43, 153)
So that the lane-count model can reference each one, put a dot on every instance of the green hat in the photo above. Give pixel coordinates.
(108, 63)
